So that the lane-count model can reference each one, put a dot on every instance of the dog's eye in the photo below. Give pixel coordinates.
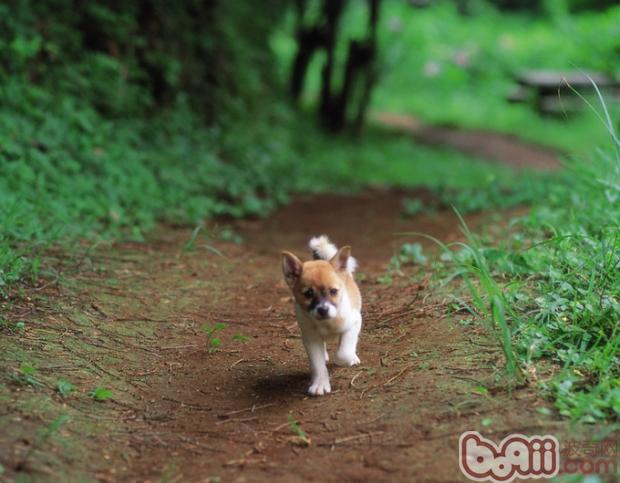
(333, 291)
(309, 293)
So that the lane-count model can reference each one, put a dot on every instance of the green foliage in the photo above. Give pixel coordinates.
(64, 387)
(384, 158)
(300, 435)
(486, 422)
(412, 207)
(524, 189)
(26, 375)
(100, 394)
(47, 432)
(550, 291)
(448, 68)
(108, 125)
(213, 343)
(227, 234)
(240, 338)
(409, 254)
(190, 245)
(455, 69)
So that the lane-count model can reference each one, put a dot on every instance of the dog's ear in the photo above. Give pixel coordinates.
(340, 259)
(291, 268)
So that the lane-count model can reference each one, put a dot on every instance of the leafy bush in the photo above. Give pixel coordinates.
(116, 115)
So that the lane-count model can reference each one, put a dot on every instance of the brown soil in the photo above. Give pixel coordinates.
(180, 412)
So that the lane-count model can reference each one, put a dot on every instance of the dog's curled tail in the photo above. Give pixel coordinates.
(323, 249)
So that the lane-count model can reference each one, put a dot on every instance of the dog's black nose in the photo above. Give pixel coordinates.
(322, 311)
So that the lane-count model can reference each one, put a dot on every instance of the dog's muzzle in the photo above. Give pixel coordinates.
(325, 310)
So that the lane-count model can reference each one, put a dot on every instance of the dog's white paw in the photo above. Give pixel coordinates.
(320, 387)
(346, 360)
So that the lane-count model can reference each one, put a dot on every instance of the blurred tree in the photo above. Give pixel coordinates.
(133, 57)
(341, 107)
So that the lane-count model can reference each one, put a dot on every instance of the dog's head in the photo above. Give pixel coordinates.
(318, 286)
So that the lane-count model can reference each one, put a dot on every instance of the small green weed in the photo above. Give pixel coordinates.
(240, 338)
(190, 245)
(301, 437)
(413, 206)
(100, 394)
(51, 429)
(213, 343)
(385, 279)
(486, 422)
(227, 234)
(409, 254)
(26, 375)
(168, 473)
(64, 387)
(44, 434)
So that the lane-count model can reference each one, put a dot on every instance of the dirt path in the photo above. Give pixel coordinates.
(483, 144)
(132, 319)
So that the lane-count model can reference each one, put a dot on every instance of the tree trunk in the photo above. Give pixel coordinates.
(360, 70)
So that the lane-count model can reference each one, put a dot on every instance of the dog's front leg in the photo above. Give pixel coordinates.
(347, 348)
(315, 347)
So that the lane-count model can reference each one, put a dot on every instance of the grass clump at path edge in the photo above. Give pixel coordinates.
(551, 290)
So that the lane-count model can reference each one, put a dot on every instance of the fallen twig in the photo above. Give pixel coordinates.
(351, 383)
(238, 420)
(175, 347)
(392, 379)
(238, 362)
(354, 437)
(251, 409)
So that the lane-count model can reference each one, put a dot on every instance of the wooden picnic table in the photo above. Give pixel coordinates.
(541, 87)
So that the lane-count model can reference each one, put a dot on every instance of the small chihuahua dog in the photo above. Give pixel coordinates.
(327, 305)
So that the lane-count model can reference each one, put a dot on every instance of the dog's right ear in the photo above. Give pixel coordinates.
(291, 268)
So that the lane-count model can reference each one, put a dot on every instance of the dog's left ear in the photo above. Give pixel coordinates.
(291, 268)
(340, 259)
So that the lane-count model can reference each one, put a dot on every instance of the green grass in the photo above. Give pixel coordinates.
(467, 66)
(551, 290)
(68, 173)
(381, 157)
